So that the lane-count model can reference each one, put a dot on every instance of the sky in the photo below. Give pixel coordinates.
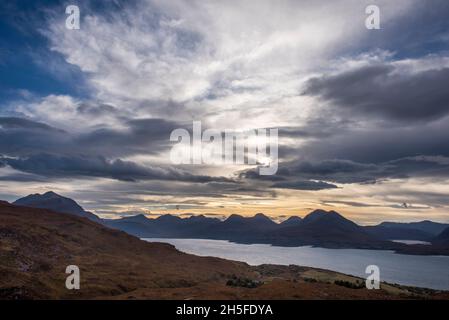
(362, 114)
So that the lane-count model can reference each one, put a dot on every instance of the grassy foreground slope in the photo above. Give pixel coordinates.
(36, 245)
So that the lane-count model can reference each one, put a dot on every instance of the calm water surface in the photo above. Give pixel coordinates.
(420, 271)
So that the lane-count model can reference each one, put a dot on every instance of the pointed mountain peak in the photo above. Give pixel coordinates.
(168, 217)
(261, 216)
(314, 215)
(51, 194)
(328, 220)
(293, 220)
(234, 217)
(197, 217)
(335, 213)
(320, 214)
(137, 217)
(39, 198)
(53, 201)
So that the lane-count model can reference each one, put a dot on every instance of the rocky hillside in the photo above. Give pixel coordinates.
(36, 245)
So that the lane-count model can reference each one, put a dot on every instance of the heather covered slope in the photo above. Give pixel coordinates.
(36, 245)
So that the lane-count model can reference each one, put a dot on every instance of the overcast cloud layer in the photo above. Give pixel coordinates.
(363, 115)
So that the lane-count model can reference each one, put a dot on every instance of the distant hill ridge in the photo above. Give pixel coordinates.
(430, 227)
(53, 201)
(318, 228)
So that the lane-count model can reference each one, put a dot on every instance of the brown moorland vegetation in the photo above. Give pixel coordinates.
(36, 245)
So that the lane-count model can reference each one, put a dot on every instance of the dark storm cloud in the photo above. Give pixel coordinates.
(385, 90)
(382, 144)
(47, 152)
(420, 32)
(304, 185)
(352, 203)
(366, 155)
(147, 136)
(22, 177)
(336, 171)
(90, 166)
(19, 136)
(20, 123)
(356, 204)
(319, 127)
(303, 175)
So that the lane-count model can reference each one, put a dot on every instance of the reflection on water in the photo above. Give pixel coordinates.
(412, 242)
